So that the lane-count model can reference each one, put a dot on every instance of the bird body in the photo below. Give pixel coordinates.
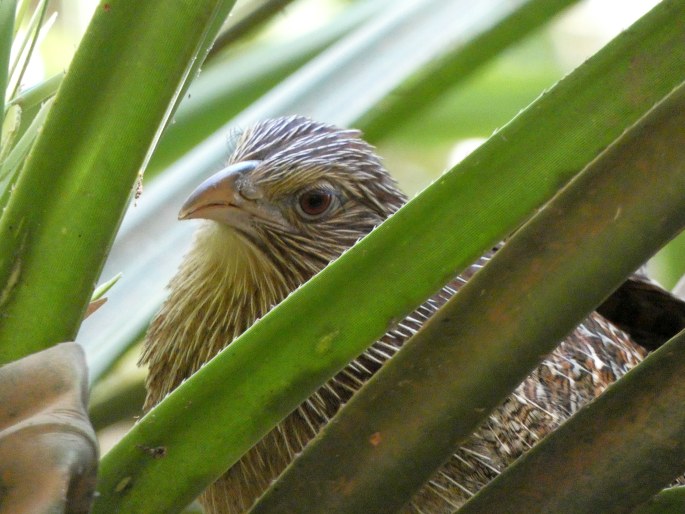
(294, 196)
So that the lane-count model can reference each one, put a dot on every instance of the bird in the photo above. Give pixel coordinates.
(293, 196)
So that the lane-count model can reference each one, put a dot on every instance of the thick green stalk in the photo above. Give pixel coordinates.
(131, 64)
(442, 75)
(238, 396)
(490, 336)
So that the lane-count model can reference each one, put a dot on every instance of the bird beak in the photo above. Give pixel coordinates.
(225, 197)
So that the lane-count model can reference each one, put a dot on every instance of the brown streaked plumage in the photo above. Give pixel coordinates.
(294, 196)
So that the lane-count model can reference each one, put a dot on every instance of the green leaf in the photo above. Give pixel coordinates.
(257, 17)
(10, 166)
(103, 288)
(10, 128)
(458, 217)
(118, 400)
(22, 9)
(441, 75)
(668, 501)
(131, 64)
(35, 95)
(24, 52)
(7, 10)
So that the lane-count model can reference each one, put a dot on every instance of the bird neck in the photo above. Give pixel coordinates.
(224, 284)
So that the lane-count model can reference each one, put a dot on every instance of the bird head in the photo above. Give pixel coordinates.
(297, 192)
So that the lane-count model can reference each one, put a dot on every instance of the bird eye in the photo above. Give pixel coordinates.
(314, 203)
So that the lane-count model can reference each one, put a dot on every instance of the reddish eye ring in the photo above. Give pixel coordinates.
(315, 202)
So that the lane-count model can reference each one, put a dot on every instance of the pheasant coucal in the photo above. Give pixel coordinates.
(294, 196)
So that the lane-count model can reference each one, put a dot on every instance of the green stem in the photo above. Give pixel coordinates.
(7, 10)
(130, 66)
(444, 73)
(34, 95)
(32, 32)
(121, 401)
(9, 167)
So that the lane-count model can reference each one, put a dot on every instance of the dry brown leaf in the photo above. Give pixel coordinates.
(48, 449)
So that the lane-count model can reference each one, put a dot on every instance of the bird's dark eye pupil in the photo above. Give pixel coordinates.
(315, 202)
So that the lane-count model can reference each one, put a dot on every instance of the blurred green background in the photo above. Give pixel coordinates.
(442, 133)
